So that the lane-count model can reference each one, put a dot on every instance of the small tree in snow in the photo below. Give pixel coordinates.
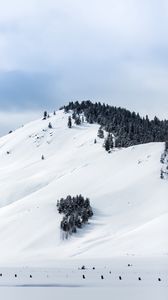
(69, 122)
(50, 125)
(100, 133)
(45, 115)
(107, 145)
(161, 174)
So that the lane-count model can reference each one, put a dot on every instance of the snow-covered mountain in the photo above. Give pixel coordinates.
(127, 195)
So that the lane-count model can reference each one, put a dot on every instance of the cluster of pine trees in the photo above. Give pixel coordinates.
(47, 116)
(164, 162)
(78, 119)
(77, 211)
(109, 141)
(128, 127)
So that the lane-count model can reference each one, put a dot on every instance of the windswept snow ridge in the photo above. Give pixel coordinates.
(128, 197)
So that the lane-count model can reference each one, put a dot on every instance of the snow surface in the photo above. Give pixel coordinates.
(66, 280)
(50, 293)
(128, 197)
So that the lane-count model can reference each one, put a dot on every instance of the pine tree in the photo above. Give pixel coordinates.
(69, 122)
(77, 120)
(74, 115)
(166, 146)
(100, 133)
(110, 139)
(45, 115)
(107, 145)
(50, 125)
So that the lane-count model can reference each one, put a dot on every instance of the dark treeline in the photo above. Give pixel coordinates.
(127, 127)
(77, 211)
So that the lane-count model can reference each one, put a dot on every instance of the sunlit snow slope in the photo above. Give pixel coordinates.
(129, 199)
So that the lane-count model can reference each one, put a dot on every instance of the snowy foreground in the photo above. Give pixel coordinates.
(117, 293)
(139, 279)
(130, 219)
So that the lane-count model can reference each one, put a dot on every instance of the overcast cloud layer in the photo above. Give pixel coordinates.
(54, 51)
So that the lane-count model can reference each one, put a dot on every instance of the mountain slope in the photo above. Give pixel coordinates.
(128, 197)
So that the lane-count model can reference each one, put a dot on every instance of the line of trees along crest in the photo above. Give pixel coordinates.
(128, 127)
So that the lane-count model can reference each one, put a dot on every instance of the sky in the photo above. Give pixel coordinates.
(55, 51)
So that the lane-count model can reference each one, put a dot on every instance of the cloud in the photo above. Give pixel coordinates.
(55, 51)
(23, 90)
